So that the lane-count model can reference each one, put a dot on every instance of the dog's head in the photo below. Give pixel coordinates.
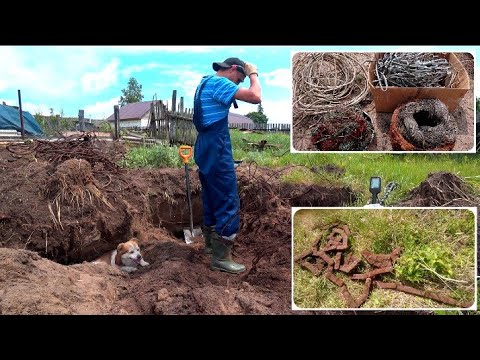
(128, 254)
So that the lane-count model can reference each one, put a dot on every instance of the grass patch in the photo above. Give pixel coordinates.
(407, 170)
(438, 254)
(154, 157)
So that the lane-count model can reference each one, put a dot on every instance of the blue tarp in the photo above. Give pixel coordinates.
(10, 120)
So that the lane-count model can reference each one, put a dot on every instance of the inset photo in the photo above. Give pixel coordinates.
(384, 102)
(384, 258)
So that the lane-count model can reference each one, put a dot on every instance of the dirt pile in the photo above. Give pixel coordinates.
(32, 285)
(441, 189)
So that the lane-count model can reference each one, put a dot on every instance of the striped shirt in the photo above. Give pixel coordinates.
(216, 98)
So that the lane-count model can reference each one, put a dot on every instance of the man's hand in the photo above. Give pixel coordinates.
(250, 69)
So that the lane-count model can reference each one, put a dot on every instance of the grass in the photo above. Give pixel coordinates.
(442, 239)
(407, 170)
(154, 157)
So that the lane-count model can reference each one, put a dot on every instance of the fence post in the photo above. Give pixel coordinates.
(116, 113)
(153, 119)
(81, 120)
(174, 101)
(22, 126)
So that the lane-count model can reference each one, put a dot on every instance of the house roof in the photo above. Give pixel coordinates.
(133, 111)
(238, 119)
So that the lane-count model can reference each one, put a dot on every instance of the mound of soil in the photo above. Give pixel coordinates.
(58, 214)
(33, 285)
(441, 189)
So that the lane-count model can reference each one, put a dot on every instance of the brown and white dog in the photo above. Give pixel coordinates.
(126, 257)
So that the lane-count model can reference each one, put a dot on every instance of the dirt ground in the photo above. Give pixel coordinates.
(58, 213)
(463, 115)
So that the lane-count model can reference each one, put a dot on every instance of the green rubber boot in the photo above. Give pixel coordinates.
(222, 256)
(207, 232)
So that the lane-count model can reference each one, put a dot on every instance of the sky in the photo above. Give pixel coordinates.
(70, 78)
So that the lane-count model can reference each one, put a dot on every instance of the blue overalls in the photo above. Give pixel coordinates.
(213, 155)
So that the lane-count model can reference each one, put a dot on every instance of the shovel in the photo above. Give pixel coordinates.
(185, 153)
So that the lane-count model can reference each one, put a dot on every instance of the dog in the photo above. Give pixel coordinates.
(126, 257)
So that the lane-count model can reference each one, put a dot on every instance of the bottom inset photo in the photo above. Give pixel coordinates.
(384, 258)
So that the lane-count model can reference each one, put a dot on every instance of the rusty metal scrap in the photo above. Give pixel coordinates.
(316, 258)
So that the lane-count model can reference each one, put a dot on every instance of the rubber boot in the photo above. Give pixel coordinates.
(222, 256)
(207, 232)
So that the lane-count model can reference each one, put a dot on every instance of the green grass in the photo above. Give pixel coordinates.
(441, 239)
(154, 157)
(407, 170)
(270, 156)
(463, 312)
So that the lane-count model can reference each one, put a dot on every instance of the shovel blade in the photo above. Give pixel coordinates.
(189, 236)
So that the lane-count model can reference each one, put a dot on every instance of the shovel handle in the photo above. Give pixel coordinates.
(185, 153)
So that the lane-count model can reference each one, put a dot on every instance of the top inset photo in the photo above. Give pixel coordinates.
(383, 102)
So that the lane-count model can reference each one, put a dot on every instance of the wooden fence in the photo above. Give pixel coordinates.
(262, 127)
(176, 126)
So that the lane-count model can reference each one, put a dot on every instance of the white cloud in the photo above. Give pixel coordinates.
(96, 81)
(277, 111)
(100, 110)
(49, 71)
(129, 70)
(279, 78)
(30, 107)
(186, 81)
(38, 109)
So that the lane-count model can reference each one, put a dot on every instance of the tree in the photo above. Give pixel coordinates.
(258, 117)
(478, 104)
(132, 94)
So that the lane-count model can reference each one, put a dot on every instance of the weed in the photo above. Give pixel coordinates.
(420, 265)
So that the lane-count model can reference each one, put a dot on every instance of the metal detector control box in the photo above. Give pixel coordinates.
(375, 188)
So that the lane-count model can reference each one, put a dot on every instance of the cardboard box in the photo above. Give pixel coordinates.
(389, 100)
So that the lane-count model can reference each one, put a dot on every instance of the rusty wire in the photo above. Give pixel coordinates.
(414, 70)
(322, 82)
(84, 146)
(344, 129)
